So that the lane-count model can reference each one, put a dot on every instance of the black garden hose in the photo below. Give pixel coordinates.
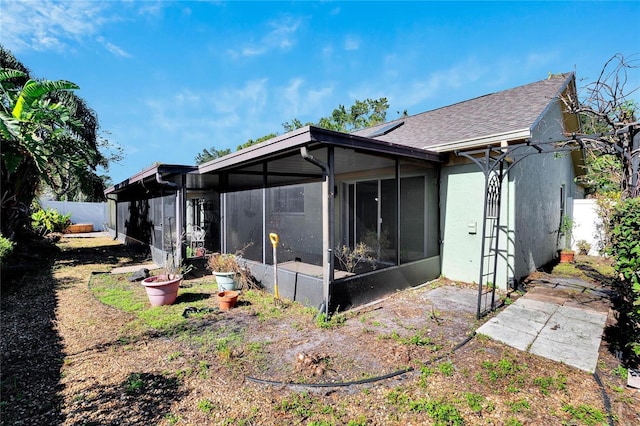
(361, 381)
(605, 398)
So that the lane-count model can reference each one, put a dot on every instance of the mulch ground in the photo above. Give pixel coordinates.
(69, 359)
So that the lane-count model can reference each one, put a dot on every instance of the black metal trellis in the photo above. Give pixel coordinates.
(496, 162)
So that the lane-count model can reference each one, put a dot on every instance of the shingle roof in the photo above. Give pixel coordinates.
(503, 112)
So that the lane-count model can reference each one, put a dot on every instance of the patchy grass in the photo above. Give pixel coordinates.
(115, 290)
(120, 358)
(587, 268)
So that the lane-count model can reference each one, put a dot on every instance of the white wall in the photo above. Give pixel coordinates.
(81, 212)
(587, 225)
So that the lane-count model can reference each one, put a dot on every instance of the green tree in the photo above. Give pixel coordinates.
(211, 154)
(251, 142)
(360, 115)
(48, 134)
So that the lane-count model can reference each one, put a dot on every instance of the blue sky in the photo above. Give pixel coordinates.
(169, 78)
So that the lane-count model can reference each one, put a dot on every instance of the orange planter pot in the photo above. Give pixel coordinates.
(227, 299)
(78, 228)
(566, 256)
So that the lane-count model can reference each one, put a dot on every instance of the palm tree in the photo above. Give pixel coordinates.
(48, 134)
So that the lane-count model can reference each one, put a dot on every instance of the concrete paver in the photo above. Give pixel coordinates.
(554, 325)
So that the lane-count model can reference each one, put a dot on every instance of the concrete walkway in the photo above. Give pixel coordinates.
(561, 320)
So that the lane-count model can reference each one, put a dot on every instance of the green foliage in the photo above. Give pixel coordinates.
(583, 246)
(546, 383)
(620, 371)
(519, 405)
(503, 370)
(47, 221)
(115, 290)
(299, 404)
(360, 115)
(446, 368)
(443, 413)
(211, 154)
(252, 142)
(327, 322)
(475, 401)
(625, 248)
(206, 406)
(49, 135)
(134, 383)
(566, 230)
(6, 247)
(586, 414)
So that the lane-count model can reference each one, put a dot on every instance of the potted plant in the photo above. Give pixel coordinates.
(583, 247)
(566, 229)
(162, 289)
(229, 273)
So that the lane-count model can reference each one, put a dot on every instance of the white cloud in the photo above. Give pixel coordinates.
(188, 112)
(116, 50)
(351, 43)
(297, 100)
(151, 8)
(439, 82)
(44, 25)
(281, 36)
(48, 25)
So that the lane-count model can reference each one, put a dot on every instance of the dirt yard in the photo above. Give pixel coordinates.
(68, 358)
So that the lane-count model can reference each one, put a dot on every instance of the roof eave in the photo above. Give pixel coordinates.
(498, 138)
(314, 135)
(150, 171)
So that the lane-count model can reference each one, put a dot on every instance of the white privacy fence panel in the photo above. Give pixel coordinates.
(587, 225)
(81, 212)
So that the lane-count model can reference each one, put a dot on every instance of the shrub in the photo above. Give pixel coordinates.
(47, 221)
(625, 248)
(583, 246)
(6, 247)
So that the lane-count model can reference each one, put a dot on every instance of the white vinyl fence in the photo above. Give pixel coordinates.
(587, 225)
(94, 213)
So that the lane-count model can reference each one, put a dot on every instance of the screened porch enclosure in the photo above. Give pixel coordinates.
(319, 190)
(388, 203)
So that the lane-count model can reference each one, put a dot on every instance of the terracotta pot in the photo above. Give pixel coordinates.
(226, 280)
(162, 290)
(566, 256)
(227, 299)
(80, 228)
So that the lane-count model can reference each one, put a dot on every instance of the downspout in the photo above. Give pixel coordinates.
(328, 221)
(115, 200)
(180, 197)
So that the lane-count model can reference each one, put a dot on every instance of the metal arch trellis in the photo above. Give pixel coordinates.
(495, 162)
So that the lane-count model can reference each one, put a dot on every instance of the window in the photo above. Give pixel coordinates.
(288, 199)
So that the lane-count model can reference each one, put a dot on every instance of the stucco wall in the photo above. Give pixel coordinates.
(461, 221)
(530, 209)
(538, 180)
